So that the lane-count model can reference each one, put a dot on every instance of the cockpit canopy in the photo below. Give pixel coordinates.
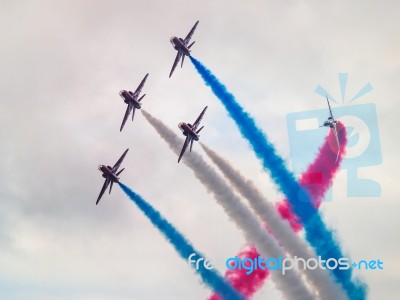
(171, 40)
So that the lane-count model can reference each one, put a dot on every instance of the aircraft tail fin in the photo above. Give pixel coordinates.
(191, 145)
(120, 171)
(111, 187)
(140, 99)
(190, 45)
(199, 129)
(183, 59)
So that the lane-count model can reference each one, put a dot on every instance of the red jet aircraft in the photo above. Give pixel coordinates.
(110, 174)
(191, 133)
(133, 100)
(182, 47)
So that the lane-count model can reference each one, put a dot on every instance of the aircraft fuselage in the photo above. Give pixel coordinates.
(107, 173)
(187, 130)
(330, 123)
(179, 45)
(129, 98)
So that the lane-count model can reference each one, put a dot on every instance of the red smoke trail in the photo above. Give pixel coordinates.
(247, 285)
(317, 179)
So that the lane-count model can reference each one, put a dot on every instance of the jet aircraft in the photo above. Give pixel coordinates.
(191, 133)
(331, 122)
(110, 174)
(181, 45)
(133, 100)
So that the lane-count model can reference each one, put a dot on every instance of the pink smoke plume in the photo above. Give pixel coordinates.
(247, 285)
(317, 179)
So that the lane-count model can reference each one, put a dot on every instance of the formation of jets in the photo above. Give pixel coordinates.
(190, 131)
(331, 122)
(133, 101)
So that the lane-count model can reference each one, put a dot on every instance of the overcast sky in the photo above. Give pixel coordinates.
(62, 65)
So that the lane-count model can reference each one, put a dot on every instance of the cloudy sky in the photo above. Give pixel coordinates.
(62, 65)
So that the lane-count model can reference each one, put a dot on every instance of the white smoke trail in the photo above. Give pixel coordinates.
(289, 284)
(321, 280)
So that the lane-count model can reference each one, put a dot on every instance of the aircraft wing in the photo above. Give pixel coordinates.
(330, 110)
(187, 140)
(103, 189)
(178, 57)
(118, 163)
(128, 111)
(189, 36)
(139, 88)
(198, 120)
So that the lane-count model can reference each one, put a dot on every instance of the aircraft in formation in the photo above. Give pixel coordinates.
(182, 46)
(191, 132)
(133, 100)
(331, 122)
(110, 174)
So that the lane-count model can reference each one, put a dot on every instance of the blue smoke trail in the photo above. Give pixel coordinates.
(317, 234)
(210, 277)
